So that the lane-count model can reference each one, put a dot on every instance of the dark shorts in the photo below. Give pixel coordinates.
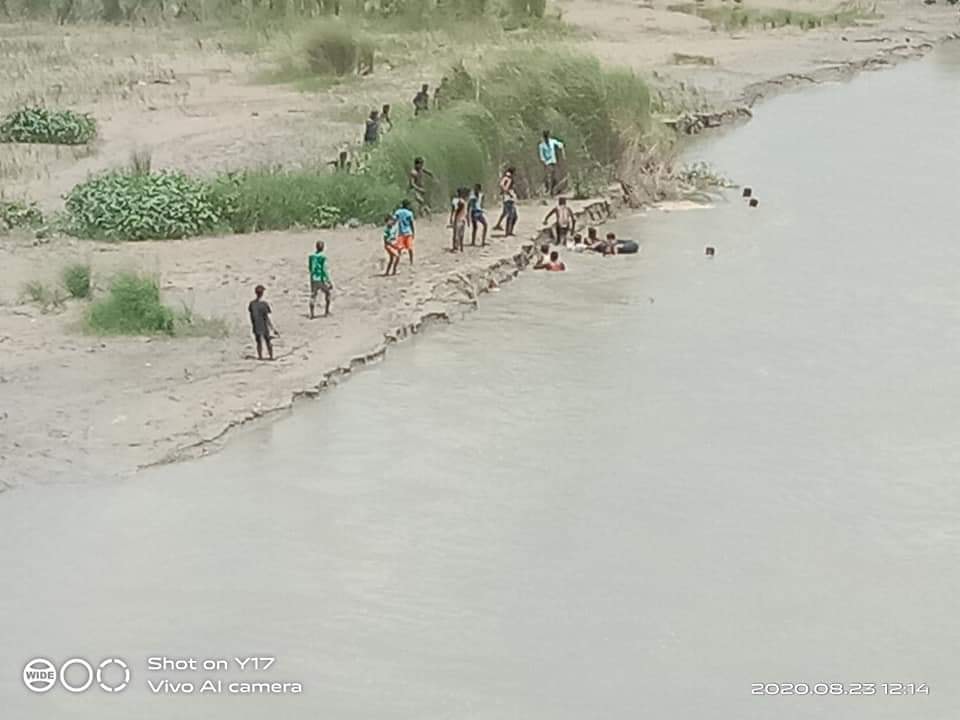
(477, 217)
(510, 210)
(318, 286)
(562, 233)
(261, 337)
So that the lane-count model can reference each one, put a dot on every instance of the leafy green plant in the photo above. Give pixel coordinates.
(132, 307)
(76, 279)
(14, 214)
(42, 125)
(156, 206)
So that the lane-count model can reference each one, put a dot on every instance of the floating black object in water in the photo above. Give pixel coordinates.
(627, 247)
(710, 251)
(754, 202)
(747, 192)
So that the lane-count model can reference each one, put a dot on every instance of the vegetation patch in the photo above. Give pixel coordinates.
(596, 112)
(132, 307)
(337, 48)
(276, 200)
(153, 206)
(16, 214)
(741, 17)
(76, 279)
(42, 125)
(48, 298)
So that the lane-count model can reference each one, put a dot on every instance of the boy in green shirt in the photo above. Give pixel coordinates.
(319, 280)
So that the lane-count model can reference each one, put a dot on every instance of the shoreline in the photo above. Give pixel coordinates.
(480, 282)
(90, 407)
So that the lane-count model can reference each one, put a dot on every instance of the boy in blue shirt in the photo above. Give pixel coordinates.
(551, 152)
(405, 229)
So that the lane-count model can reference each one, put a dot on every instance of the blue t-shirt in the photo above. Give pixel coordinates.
(548, 151)
(404, 220)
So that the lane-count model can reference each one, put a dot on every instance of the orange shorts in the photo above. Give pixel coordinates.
(405, 242)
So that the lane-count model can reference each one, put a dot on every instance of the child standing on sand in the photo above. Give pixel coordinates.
(319, 280)
(405, 228)
(259, 311)
(390, 246)
(477, 215)
(458, 218)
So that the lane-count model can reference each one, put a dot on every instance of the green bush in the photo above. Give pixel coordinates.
(41, 125)
(596, 112)
(76, 279)
(14, 214)
(335, 48)
(460, 146)
(157, 206)
(132, 307)
(271, 200)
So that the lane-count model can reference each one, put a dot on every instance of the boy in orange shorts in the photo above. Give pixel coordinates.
(405, 229)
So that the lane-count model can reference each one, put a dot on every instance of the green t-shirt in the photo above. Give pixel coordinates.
(318, 268)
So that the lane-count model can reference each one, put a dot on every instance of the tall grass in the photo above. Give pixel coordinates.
(337, 48)
(276, 200)
(461, 146)
(596, 112)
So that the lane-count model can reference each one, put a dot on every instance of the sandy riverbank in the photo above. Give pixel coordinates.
(74, 406)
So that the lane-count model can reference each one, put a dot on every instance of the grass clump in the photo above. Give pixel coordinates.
(132, 307)
(154, 206)
(16, 214)
(42, 125)
(336, 48)
(76, 279)
(48, 298)
(275, 200)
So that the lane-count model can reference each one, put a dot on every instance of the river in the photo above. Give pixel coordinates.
(634, 490)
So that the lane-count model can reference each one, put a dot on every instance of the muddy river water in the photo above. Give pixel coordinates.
(660, 486)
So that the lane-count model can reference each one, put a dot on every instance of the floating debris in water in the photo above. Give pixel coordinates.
(754, 202)
(710, 251)
(747, 192)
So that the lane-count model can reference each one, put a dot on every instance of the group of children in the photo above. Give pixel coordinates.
(466, 207)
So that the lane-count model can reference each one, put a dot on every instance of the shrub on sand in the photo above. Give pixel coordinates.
(132, 307)
(76, 279)
(14, 214)
(157, 206)
(42, 125)
(336, 48)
